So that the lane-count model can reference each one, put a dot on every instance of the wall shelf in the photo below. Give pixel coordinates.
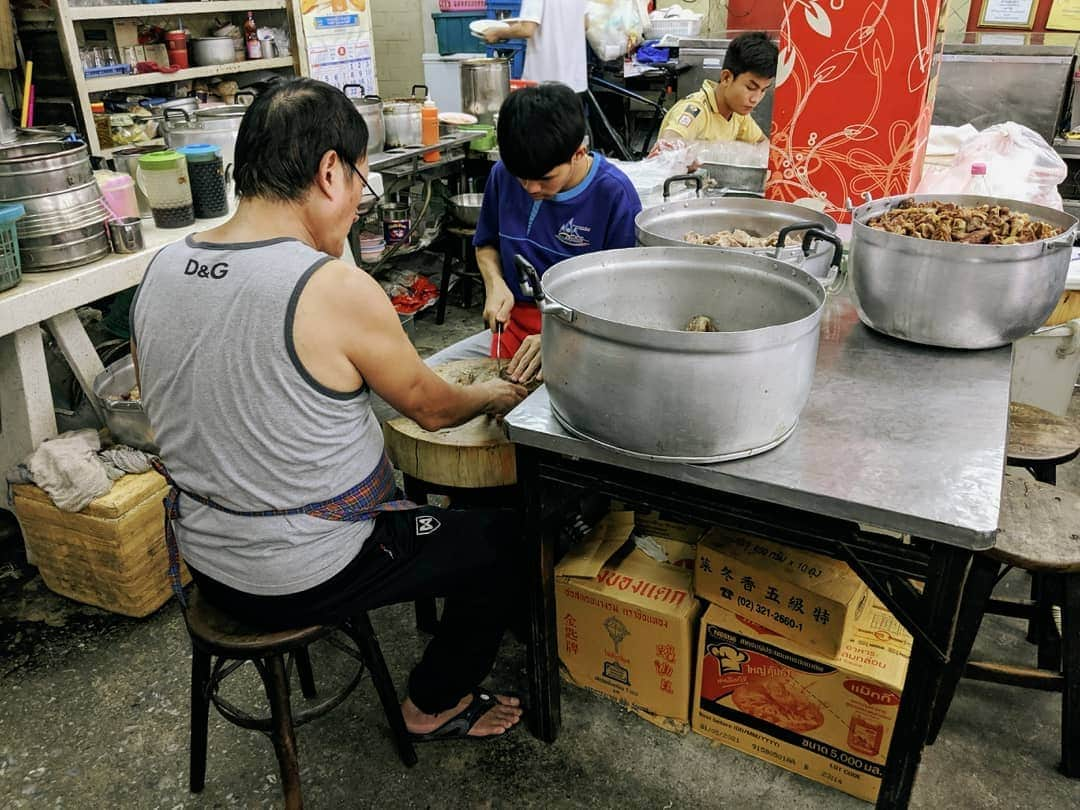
(105, 83)
(149, 10)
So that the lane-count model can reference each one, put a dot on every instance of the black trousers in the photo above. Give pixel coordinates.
(467, 556)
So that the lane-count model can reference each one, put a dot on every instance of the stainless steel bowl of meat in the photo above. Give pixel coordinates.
(118, 393)
(747, 225)
(958, 271)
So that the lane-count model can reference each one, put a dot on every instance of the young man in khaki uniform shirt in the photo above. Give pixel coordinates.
(721, 110)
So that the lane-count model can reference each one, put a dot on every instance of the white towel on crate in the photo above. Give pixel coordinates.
(68, 469)
(73, 469)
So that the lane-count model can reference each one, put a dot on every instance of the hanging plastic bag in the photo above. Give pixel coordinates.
(614, 27)
(1020, 165)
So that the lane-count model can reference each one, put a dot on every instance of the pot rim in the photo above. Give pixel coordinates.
(959, 250)
(677, 339)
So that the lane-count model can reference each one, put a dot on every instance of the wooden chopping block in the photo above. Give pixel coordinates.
(474, 455)
(1068, 307)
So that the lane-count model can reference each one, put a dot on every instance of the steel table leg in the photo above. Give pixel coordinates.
(977, 592)
(940, 609)
(543, 645)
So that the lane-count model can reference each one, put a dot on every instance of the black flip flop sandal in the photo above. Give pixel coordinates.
(458, 726)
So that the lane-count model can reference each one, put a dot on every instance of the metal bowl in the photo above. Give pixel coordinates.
(466, 208)
(126, 419)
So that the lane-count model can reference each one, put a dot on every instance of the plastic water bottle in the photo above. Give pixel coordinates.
(978, 184)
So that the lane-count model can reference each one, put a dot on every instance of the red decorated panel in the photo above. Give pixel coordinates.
(853, 98)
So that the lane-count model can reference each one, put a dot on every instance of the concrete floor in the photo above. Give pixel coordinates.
(93, 713)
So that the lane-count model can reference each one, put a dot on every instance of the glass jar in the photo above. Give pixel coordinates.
(163, 178)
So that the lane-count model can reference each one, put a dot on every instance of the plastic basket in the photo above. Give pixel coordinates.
(10, 262)
(678, 27)
(462, 5)
(452, 32)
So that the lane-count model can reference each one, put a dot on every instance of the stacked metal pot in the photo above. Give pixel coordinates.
(65, 217)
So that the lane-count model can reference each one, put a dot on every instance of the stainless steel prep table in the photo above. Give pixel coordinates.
(906, 438)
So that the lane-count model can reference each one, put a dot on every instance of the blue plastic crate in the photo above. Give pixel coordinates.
(501, 9)
(514, 50)
(452, 32)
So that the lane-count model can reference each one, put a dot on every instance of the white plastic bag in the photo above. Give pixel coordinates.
(648, 176)
(1020, 165)
(613, 27)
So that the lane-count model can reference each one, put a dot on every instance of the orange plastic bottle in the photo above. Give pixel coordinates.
(429, 119)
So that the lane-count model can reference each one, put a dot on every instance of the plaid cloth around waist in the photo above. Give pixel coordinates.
(365, 501)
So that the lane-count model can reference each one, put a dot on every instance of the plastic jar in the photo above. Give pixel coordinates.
(163, 178)
(207, 173)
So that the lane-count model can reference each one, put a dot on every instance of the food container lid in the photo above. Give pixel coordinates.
(165, 160)
(200, 152)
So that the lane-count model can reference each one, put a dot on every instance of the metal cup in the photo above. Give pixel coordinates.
(126, 235)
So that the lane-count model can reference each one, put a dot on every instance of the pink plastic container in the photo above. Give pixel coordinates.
(118, 194)
(462, 5)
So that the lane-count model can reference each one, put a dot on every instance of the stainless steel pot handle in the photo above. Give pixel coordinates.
(787, 230)
(1064, 240)
(814, 234)
(180, 113)
(690, 178)
(530, 285)
(426, 92)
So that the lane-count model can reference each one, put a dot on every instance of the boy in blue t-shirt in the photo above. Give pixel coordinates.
(548, 199)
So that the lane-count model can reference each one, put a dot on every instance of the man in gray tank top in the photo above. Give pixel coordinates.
(257, 352)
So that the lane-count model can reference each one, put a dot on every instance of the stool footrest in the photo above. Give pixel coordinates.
(1006, 675)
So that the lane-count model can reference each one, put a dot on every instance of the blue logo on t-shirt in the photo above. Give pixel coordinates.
(573, 234)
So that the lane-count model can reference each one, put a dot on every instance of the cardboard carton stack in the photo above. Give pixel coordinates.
(627, 615)
(797, 663)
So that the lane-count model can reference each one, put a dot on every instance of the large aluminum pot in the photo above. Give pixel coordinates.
(403, 120)
(371, 110)
(42, 167)
(621, 372)
(126, 419)
(217, 126)
(62, 229)
(956, 295)
(667, 225)
(485, 84)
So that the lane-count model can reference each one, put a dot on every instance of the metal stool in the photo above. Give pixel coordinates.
(221, 645)
(457, 245)
(1039, 531)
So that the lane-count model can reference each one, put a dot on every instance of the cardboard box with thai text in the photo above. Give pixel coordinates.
(809, 598)
(829, 719)
(627, 624)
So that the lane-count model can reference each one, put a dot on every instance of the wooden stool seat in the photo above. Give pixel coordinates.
(229, 636)
(1039, 531)
(1040, 437)
(1039, 527)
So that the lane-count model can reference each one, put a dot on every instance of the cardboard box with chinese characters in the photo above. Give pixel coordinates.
(809, 598)
(627, 624)
(830, 719)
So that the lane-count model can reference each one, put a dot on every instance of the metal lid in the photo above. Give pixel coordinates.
(200, 152)
(164, 160)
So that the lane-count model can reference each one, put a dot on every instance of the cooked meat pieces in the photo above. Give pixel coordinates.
(973, 225)
(127, 396)
(732, 239)
(700, 323)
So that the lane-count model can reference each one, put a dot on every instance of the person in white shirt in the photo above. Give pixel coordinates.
(554, 31)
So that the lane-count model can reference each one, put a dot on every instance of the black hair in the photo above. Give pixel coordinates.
(752, 52)
(286, 131)
(540, 128)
